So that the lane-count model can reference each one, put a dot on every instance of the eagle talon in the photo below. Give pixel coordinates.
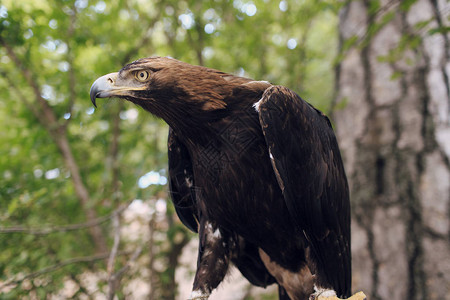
(357, 296)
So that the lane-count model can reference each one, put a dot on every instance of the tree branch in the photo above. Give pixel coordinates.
(22, 98)
(84, 259)
(151, 263)
(112, 160)
(146, 37)
(115, 278)
(72, 79)
(57, 132)
(45, 107)
(112, 283)
(64, 228)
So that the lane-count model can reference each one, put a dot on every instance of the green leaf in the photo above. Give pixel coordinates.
(440, 30)
(405, 5)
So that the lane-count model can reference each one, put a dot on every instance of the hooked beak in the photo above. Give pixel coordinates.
(104, 87)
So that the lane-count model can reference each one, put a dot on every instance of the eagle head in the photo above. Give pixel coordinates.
(167, 88)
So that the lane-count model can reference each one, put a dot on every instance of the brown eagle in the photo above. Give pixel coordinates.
(254, 169)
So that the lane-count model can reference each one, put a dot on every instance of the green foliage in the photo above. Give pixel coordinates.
(440, 30)
(405, 5)
(54, 50)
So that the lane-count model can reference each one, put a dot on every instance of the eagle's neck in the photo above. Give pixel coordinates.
(198, 115)
(190, 122)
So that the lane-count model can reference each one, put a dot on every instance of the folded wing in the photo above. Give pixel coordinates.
(306, 160)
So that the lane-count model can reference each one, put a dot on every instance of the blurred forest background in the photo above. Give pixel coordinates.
(84, 209)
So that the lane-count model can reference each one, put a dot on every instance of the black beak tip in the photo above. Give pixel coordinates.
(93, 94)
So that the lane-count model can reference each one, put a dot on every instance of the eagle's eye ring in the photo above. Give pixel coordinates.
(142, 75)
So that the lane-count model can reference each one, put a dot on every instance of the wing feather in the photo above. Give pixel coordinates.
(306, 160)
(181, 182)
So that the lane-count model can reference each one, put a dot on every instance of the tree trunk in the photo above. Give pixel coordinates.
(394, 133)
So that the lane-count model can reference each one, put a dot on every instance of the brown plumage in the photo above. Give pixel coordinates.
(254, 169)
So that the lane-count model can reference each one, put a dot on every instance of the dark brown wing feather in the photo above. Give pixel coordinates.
(308, 165)
(181, 182)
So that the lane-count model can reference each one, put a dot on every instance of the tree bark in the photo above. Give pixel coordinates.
(394, 133)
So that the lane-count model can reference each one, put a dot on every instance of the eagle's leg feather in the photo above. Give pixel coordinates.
(213, 260)
(198, 295)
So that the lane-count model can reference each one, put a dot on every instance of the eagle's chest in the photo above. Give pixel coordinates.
(235, 182)
(235, 141)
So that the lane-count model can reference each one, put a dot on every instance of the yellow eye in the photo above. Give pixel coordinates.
(142, 76)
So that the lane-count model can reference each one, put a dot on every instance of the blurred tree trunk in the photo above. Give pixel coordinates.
(392, 114)
(177, 238)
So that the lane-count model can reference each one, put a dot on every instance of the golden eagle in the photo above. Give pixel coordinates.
(254, 169)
